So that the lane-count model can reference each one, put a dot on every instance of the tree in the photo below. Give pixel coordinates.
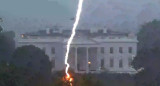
(7, 45)
(148, 55)
(148, 46)
(149, 35)
(32, 58)
(88, 80)
(12, 76)
(1, 20)
(1, 28)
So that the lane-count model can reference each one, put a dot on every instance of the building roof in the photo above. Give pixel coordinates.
(66, 33)
(83, 36)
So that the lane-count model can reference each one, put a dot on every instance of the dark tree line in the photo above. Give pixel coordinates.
(148, 55)
(7, 45)
(23, 66)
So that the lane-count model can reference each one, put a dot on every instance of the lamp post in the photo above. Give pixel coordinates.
(89, 64)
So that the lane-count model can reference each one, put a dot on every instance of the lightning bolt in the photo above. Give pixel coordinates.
(79, 10)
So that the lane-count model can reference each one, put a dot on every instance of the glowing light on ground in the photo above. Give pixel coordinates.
(68, 81)
(72, 36)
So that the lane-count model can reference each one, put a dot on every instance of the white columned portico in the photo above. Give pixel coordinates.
(86, 65)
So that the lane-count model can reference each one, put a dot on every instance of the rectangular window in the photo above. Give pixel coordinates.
(130, 50)
(120, 63)
(111, 62)
(111, 49)
(120, 50)
(102, 50)
(53, 50)
(102, 63)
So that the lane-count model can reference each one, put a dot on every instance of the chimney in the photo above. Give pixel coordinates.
(48, 31)
(104, 30)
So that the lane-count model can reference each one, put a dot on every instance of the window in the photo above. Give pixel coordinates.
(129, 62)
(53, 50)
(111, 49)
(120, 63)
(102, 50)
(111, 62)
(102, 63)
(120, 50)
(130, 50)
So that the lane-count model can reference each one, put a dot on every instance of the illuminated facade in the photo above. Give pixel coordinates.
(91, 51)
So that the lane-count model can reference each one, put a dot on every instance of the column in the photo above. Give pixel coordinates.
(76, 71)
(87, 66)
(99, 57)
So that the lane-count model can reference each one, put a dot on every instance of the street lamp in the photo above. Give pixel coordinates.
(89, 62)
(89, 65)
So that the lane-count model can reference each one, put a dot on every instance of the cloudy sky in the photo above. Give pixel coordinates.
(113, 14)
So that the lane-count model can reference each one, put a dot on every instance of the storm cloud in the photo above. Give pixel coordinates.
(113, 14)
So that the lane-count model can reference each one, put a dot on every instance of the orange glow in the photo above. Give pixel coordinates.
(71, 79)
(68, 79)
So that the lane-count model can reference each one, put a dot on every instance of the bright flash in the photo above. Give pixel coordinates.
(89, 62)
(69, 79)
(72, 35)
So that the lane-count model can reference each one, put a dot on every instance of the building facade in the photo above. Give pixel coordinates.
(90, 52)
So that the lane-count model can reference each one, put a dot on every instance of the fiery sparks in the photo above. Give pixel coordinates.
(68, 80)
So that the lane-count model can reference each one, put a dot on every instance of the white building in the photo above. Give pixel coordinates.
(103, 50)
